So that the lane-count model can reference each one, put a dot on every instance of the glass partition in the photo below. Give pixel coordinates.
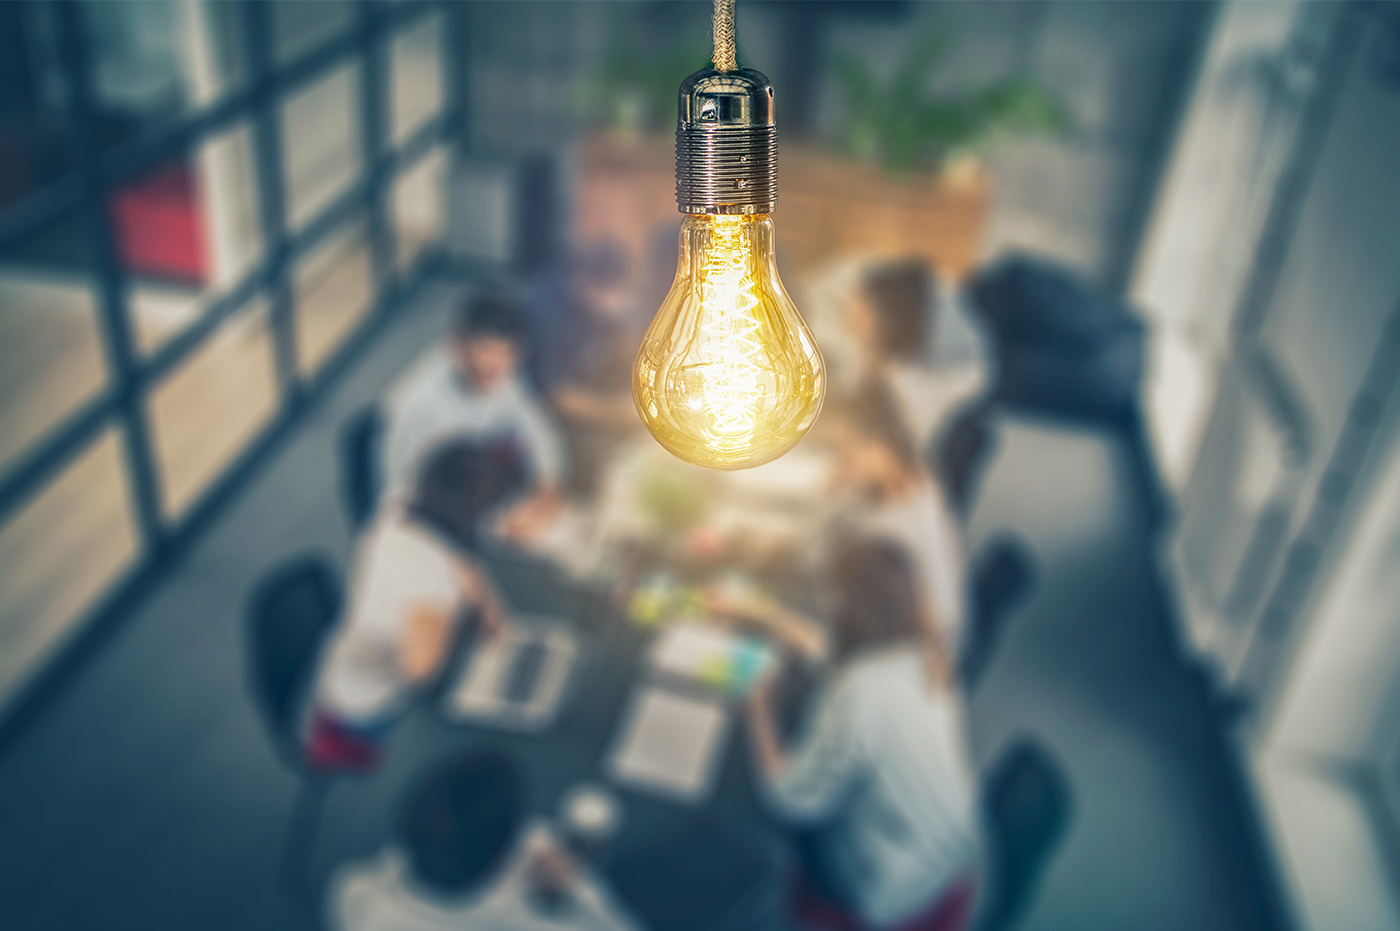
(321, 142)
(415, 77)
(209, 408)
(420, 215)
(51, 351)
(334, 290)
(187, 231)
(155, 321)
(153, 61)
(59, 553)
(299, 26)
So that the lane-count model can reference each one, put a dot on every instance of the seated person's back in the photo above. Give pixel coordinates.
(414, 575)
(891, 496)
(884, 766)
(464, 858)
(898, 317)
(471, 388)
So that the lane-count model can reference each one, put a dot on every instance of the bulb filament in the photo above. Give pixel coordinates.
(731, 354)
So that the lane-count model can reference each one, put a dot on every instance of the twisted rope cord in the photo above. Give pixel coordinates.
(724, 36)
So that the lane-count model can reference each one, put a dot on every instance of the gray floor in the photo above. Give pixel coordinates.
(1160, 838)
(146, 796)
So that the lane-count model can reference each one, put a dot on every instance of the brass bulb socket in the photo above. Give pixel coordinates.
(726, 144)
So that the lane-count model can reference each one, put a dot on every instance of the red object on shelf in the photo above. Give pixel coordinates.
(159, 228)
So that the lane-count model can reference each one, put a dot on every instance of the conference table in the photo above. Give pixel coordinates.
(715, 862)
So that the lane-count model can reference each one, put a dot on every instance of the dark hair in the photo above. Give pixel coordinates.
(493, 312)
(458, 822)
(901, 293)
(877, 603)
(461, 482)
(871, 411)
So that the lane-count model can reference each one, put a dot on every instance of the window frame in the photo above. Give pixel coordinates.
(87, 190)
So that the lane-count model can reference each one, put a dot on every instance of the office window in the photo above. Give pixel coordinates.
(321, 142)
(33, 152)
(415, 76)
(170, 311)
(51, 351)
(60, 552)
(186, 232)
(420, 194)
(153, 60)
(334, 291)
(212, 406)
(298, 26)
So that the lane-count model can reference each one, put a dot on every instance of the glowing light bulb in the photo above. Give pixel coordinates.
(728, 375)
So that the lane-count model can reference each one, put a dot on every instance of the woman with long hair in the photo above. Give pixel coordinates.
(881, 781)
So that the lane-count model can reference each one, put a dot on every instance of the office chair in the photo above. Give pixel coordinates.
(1027, 808)
(360, 440)
(1064, 346)
(960, 454)
(290, 613)
(1003, 576)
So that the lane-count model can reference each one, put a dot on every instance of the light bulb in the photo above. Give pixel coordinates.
(728, 375)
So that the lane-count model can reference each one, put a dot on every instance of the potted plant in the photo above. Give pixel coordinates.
(904, 126)
(907, 176)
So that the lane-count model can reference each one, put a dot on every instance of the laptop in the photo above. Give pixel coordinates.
(516, 681)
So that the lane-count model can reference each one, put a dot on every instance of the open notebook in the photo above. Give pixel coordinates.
(724, 661)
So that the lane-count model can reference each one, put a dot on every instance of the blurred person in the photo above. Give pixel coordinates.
(881, 783)
(915, 340)
(464, 857)
(414, 579)
(890, 495)
(591, 387)
(472, 389)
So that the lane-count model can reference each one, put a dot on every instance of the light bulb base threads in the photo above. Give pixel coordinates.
(726, 144)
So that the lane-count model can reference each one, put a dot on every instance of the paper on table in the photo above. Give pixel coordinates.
(670, 743)
(713, 656)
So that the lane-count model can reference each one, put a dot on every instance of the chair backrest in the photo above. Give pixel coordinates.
(359, 464)
(1003, 576)
(290, 613)
(959, 454)
(1027, 806)
(689, 877)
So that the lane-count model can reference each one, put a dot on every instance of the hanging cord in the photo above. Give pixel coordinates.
(724, 36)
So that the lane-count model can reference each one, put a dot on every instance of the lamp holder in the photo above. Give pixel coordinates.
(726, 143)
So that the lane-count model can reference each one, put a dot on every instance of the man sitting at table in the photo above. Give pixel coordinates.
(463, 861)
(414, 577)
(882, 780)
(472, 388)
(891, 496)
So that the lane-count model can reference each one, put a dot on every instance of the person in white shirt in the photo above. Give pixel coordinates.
(472, 387)
(919, 342)
(891, 496)
(462, 861)
(883, 770)
(414, 578)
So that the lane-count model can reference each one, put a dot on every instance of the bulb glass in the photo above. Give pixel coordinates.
(728, 375)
